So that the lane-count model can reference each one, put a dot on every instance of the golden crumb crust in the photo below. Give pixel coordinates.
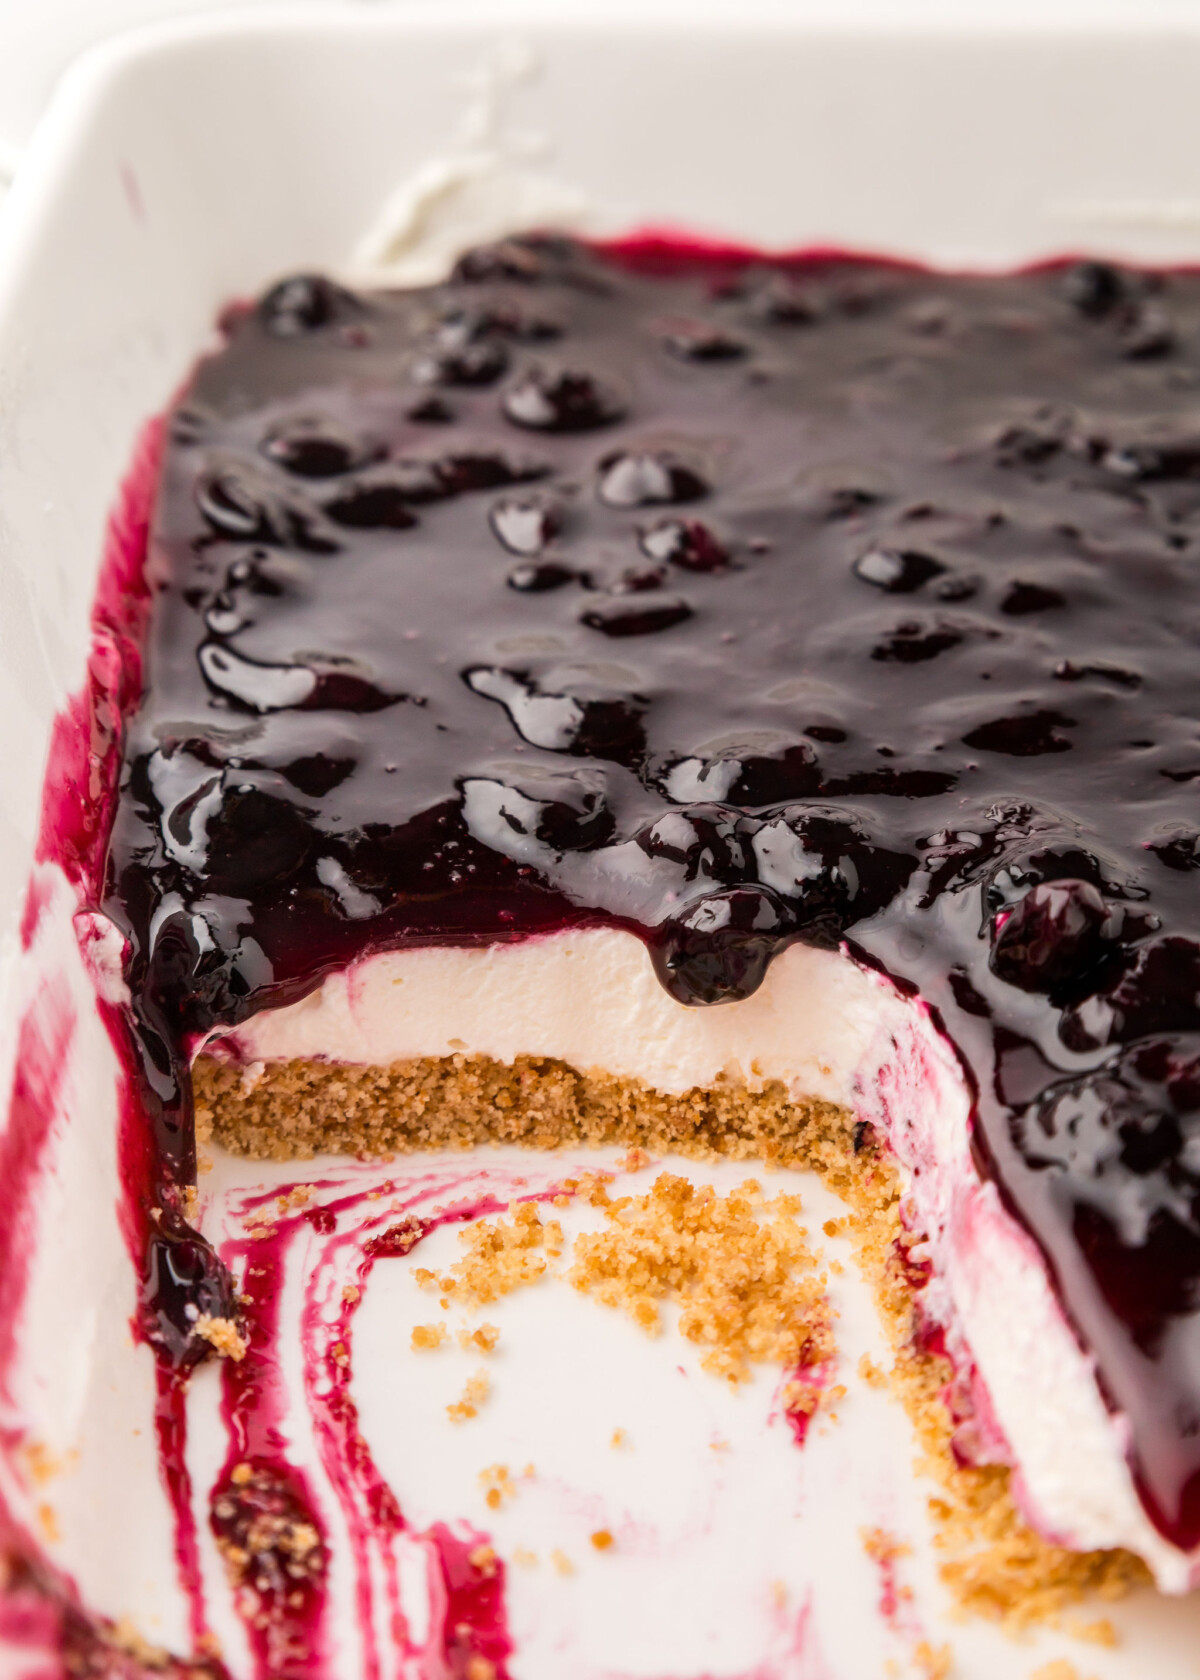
(993, 1562)
(297, 1109)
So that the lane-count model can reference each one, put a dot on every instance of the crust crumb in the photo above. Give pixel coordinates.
(474, 1394)
(873, 1375)
(502, 1255)
(738, 1266)
(426, 1337)
(882, 1547)
(224, 1335)
(562, 1563)
(482, 1340)
(483, 1559)
(299, 1196)
(1100, 1632)
(498, 1486)
(934, 1663)
(42, 1465)
(125, 1637)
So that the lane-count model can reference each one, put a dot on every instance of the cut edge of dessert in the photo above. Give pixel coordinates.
(886, 1121)
(861, 1109)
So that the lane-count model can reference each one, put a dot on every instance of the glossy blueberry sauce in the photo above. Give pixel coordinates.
(734, 602)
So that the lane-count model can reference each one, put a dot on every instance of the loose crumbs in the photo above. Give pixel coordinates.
(425, 1337)
(993, 1563)
(738, 1266)
(474, 1394)
(498, 1485)
(222, 1334)
(502, 1255)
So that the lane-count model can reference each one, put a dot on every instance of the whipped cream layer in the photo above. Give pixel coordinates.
(823, 1027)
(589, 997)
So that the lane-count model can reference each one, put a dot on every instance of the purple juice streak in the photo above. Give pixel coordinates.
(281, 1597)
(814, 1377)
(45, 1034)
(291, 1639)
(170, 1426)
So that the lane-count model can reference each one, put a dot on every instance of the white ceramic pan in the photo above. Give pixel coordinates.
(191, 165)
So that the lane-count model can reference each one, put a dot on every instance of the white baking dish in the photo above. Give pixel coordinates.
(194, 163)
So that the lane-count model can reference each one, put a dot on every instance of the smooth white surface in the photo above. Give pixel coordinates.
(208, 159)
(590, 998)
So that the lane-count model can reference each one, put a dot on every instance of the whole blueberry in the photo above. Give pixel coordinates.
(1053, 935)
(718, 949)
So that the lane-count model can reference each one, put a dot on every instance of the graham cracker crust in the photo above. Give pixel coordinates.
(994, 1564)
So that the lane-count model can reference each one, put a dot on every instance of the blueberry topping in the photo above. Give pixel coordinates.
(785, 300)
(1093, 288)
(430, 411)
(525, 524)
(898, 571)
(270, 1538)
(566, 810)
(461, 325)
(1178, 850)
(184, 1281)
(373, 502)
(315, 449)
(686, 543)
(719, 947)
(1146, 333)
(546, 400)
(1163, 460)
(630, 614)
(701, 341)
(537, 577)
(643, 478)
(405, 683)
(472, 364)
(917, 640)
(1023, 735)
(707, 841)
(1020, 598)
(238, 504)
(305, 304)
(510, 259)
(233, 507)
(487, 469)
(1053, 935)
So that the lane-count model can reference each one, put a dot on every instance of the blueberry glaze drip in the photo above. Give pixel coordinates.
(736, 603)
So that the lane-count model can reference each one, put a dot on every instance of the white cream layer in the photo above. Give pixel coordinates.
(823, 1027)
